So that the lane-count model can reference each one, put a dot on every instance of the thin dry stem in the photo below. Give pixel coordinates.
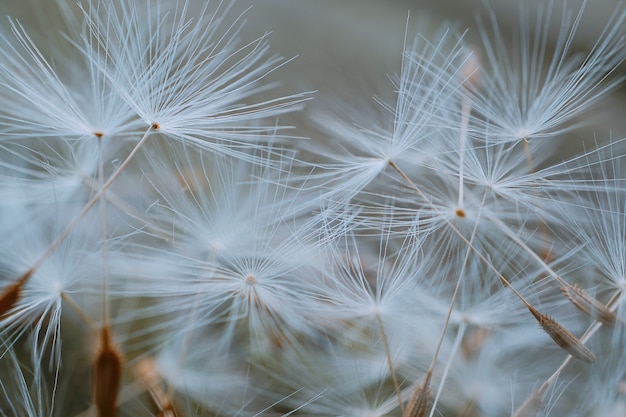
(546, 254)
(532, 406)
(105, 240)
(586, 303)
(394, 378)
(67, 298)
(128, 210)
(87, 207)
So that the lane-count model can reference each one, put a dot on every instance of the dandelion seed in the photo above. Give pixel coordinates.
(562, 337)
(40, 100)
(185, 74)
(521, 98)
(428, 91)
(586, 303)
(420, 402)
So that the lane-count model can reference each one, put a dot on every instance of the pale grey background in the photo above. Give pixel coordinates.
(346, 44)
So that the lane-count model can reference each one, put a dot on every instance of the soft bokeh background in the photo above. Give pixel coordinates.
(346, 48)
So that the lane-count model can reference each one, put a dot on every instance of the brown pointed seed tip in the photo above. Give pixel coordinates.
(563, 338)
(420, 403)
(589, 305)
(10, 297)
(107, 376)
(11, 294)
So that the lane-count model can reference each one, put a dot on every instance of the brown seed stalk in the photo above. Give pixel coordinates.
(532, 406)
(562, 337)
(589, 305)
(12, 294)
(107, 376)
(420, 402)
